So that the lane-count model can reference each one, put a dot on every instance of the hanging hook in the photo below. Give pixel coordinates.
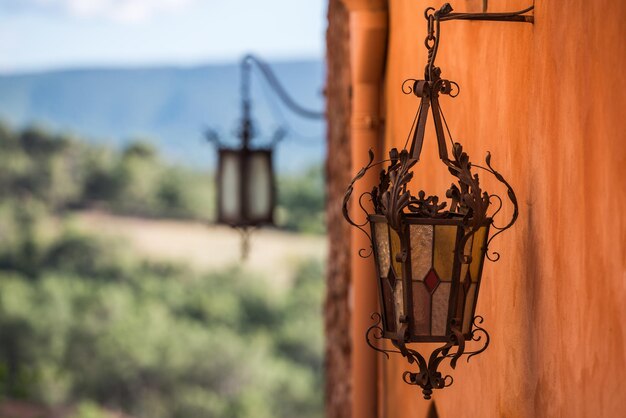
(434, 17)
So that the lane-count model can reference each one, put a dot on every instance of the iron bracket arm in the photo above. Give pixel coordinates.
(445, 13)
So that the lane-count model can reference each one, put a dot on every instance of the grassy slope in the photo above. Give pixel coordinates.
(273, 253)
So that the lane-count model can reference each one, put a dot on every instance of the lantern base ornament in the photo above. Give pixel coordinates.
(429, 377)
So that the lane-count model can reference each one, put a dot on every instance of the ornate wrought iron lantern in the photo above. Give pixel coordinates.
(245, 181)
(246, 191)
(429, 254)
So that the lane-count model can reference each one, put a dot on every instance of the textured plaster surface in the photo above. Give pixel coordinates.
(338, 173)
(549, 102)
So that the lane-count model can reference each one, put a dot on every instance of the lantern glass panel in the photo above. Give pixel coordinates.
(398, 294)
(259, 186)
(395, 250)
(381, 236)
(441, 297)
(467, 252)
(421, 250)
(398, 297)
(388, 302)
(445, 242)
(421, 309)
(460, 301)
(229, 209)
(469, 308)
(478, 252)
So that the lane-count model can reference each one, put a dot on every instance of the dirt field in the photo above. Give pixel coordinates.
(207, 246)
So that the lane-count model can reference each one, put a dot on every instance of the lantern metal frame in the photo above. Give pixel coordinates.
(396, 206)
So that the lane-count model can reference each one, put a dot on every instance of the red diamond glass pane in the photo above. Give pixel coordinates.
(431, 281)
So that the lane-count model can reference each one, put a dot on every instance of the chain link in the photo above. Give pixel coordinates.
(429, 42)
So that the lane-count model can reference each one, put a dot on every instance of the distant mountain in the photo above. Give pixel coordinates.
(169, 106)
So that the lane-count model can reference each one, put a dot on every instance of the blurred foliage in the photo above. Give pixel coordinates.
(301, 201)
(65, 173)
(83, 324)
(87, 324)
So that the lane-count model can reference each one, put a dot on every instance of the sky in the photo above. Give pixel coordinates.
(38, 35)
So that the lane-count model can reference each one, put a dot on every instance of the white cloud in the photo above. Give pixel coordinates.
(129, 11)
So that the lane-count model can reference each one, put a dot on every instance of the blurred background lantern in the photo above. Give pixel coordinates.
(246, 192)
(429, 253)
(246, 189)
(245, 179)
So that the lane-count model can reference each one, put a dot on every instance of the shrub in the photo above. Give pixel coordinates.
(158, 340)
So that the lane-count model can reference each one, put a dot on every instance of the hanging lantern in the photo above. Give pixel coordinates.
(246, 191)
(429, 253)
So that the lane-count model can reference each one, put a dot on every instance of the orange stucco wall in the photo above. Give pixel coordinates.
(549, 102)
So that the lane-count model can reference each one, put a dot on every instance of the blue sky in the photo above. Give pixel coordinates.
(48, 34)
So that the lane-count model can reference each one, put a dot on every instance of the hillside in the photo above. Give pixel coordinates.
(170, 106)
(274, 253)
(118, 295)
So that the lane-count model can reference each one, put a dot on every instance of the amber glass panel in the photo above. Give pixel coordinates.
(421, 250)
(398, 298)
(468, 251)
(440, 301)
(477, 252)
(445, 241)
(421, 309)
(469, 306)
(382, 247)
(390, 315)
(395, 250)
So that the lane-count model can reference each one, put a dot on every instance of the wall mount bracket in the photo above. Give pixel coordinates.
(445, 14)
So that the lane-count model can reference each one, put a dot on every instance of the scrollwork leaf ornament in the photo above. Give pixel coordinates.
(427, 206)
(468, 198)
(395, 197)
(428, 376)
(512, 198)
(376, 332)
(495, 256)
(346, 199)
